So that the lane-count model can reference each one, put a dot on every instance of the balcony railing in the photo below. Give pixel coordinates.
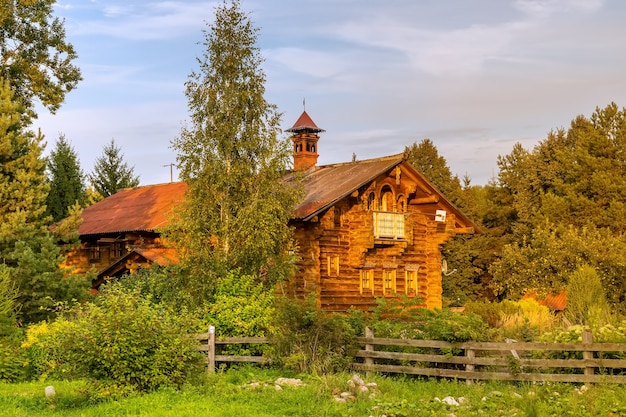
(388, 225)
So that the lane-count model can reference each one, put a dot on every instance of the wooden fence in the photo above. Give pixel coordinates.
(513, 361)
(211, 345)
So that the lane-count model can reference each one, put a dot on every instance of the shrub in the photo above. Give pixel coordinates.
(120, 338)
(241, 306)
(454, 327)
(586, 299)
(307, 339)
(528, 322)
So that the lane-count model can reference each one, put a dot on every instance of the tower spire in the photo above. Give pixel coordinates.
(305, 137)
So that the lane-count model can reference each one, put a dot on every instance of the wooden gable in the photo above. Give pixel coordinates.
(372, 229)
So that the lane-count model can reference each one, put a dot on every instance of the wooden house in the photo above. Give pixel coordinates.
(368, 229)
(365, 229)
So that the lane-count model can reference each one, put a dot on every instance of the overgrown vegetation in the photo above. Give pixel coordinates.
(120, 341)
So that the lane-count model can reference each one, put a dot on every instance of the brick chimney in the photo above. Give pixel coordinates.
(305, 137)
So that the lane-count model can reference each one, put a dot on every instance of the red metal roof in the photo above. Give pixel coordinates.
(135, 209)
(147, 208)
(304, 122)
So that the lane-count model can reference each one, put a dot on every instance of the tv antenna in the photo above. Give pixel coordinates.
(171, 171)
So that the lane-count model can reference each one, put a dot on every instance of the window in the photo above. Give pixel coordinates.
(389, 281)
(93, 252)
(332, 265)
(386, 199)
(401, 204)
(367, 281)
(411, 282)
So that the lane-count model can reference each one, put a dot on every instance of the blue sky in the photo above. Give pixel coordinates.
(473, 76)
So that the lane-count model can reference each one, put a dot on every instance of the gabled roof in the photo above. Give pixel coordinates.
(147, 208)
(159, 256)
(327, 184)
(135, 209)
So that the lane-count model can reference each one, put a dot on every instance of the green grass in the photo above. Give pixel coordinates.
(229, 394)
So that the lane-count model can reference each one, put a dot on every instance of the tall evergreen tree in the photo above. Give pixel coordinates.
(111, 173)
(237, 209)
(35, 58)
(27, 247)
(66, 179)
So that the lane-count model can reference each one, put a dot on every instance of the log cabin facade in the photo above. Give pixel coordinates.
(364, 229)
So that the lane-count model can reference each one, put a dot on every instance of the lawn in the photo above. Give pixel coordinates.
(253, 392)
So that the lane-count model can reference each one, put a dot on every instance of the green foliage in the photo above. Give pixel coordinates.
(66, 179)
(527, 323)
(8, 296)
(241, 307)
(111, 173)
(231, 394)
(586, 299)
(566, 199)
(492, 312)
(454, 327)
(426, 159)
(26, 245)
(35, 57)
(545, 260)
(307, 339)
(237, 208)
(406, 318)
(119, 339)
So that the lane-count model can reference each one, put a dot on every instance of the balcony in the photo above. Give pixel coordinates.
(388, 225)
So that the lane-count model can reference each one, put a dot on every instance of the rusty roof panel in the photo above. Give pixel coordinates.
(134, 209)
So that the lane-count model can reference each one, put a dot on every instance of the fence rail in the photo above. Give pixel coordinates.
(514, 361)
(210, 347)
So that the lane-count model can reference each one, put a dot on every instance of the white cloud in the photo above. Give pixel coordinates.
(546, 8)
(148, 21)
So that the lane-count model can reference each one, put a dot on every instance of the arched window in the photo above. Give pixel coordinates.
(401, 204)
(386, 199)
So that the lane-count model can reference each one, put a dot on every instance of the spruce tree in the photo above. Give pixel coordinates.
(231, 155)
(111, 173)
(66, 179)
(27, 247)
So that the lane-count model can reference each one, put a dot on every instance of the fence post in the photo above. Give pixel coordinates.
(211, 343)
(470, 354)
(369, 333)
(588, 338)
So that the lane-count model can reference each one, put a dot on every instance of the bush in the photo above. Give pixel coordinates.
(454, 327)
(307, 339)
(528, 322)
(119, 339)
(241, 307)
(586, 299)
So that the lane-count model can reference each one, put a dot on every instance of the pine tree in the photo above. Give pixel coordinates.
(27, 247)
(111, 173)
(237, 208)
(66, 179)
